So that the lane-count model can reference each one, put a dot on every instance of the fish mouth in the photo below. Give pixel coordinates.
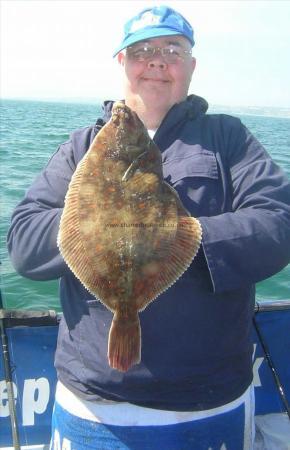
(122, 114)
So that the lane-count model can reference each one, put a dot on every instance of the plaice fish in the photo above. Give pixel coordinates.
(124, 232)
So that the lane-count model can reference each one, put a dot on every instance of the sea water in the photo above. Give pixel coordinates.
(31, 132)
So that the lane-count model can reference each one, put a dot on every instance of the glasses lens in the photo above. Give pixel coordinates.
(171, 54)
(141, 53)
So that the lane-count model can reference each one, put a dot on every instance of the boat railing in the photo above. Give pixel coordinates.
(271, 305)
(27, 317)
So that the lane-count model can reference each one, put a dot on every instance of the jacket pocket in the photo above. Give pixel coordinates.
(199, 163)
(195, 176)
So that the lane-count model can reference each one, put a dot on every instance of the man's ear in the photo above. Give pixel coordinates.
(121, 58)
(193, 64)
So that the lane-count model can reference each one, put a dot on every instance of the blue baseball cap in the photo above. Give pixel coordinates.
(155, 22)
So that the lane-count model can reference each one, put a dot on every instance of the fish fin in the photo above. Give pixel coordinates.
(79, 249)
(186, 245)
(169, 269)
(133, 166)
(124, 348)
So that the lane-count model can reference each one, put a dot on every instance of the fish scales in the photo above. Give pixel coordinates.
(124, 232)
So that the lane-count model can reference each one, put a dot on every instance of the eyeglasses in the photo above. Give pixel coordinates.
(172, 54)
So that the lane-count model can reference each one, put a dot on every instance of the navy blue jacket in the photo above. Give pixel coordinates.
(196, 337)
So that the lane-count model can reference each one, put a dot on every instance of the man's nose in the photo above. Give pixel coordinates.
(157, 60)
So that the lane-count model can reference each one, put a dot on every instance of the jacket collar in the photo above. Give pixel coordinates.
(190, 108)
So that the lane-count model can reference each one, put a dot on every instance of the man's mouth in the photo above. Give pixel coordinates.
(157, 80)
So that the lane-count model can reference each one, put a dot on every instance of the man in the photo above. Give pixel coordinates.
(192, 388)
(153, 84)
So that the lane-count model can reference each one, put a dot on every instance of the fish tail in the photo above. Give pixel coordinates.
(124, 349)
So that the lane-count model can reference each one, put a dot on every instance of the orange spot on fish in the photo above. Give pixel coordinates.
(99, 248)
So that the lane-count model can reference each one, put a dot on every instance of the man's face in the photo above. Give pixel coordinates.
(156, 79)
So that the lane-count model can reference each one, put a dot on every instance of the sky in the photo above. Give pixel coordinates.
(62, 49)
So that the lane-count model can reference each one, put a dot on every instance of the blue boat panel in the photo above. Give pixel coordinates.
(32, 355)
(274, 327)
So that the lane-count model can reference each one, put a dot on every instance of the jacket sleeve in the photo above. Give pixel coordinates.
(34, 225)
(252, 241)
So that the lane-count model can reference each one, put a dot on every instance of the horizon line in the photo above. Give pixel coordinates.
(92, 100)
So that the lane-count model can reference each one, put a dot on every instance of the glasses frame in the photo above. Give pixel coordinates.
(157, 49)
